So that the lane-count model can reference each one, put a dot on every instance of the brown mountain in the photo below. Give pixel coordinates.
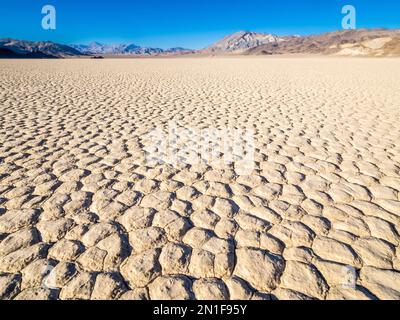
(361, 42)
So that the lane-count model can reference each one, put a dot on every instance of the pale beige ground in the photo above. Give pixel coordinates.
(83, 215)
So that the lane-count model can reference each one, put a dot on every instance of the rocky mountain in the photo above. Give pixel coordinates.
(98, 48)
(137, 50)
(178, 51)
(11, 48)
(242, 41)
(33, 49)
(124, 49)
(360, 42)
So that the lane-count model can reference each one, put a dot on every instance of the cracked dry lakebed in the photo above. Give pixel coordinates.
(91, 207)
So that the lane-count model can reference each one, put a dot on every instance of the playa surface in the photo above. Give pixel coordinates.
(87, 211)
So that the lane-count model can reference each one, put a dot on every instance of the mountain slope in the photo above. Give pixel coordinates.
(98, 48)
(40, 49)
(241, 41)
(344, 42)
(134, 49)
(9, 54)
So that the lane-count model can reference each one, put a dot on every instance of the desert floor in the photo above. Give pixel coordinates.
(87, 213)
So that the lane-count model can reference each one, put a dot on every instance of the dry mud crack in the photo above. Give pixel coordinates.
(85, 215)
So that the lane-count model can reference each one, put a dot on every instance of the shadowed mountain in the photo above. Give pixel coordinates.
(31, 49)
(9, 54)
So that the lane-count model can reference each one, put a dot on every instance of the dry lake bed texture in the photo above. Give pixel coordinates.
(126, 179)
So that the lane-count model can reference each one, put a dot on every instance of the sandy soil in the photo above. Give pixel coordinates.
(86, 212)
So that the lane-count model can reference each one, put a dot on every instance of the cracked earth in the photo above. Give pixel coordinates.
(84, 215)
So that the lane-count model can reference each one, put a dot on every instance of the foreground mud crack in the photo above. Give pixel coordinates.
(86, 214)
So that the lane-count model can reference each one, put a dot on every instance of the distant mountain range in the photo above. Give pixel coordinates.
(11, 48)
(360, 42)
(125, 49)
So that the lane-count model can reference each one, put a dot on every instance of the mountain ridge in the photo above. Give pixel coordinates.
(13, 48)
(38, 49)
(125, 49)
(359, 42)
(343, 42)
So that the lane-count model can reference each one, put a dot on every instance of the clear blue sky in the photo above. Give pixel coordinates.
(186, 23)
